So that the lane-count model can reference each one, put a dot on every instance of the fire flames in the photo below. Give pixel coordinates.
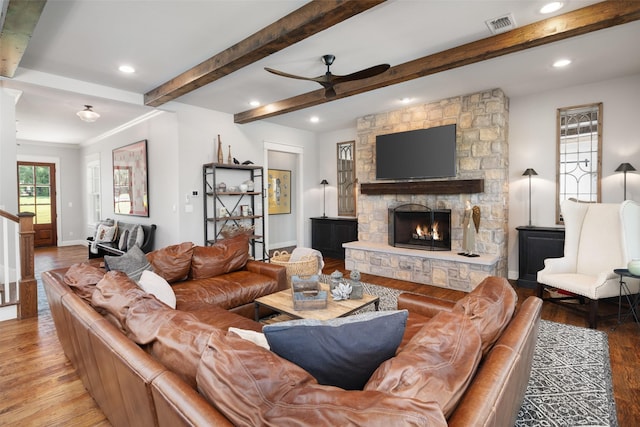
(423, 233)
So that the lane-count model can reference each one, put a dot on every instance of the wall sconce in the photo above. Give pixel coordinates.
(88, 115)
(625, 167)
(324, 184)
(529, 172)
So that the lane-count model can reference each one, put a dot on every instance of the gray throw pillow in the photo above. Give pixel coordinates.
(136, 237)
(342, 352)
(133, 263)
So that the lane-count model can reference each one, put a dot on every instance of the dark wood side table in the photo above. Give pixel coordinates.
(624, 290)
(535, 244)
(328, 234)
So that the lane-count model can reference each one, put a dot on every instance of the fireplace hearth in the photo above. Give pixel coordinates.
(417, 226)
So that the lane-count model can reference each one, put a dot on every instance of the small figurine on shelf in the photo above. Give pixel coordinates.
(220, 154)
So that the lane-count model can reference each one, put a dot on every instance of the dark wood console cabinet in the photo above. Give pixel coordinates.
(535, 244)
(328, 235)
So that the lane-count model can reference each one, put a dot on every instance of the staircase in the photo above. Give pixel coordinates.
(18, 286)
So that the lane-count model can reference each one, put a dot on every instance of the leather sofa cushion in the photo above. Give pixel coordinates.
(222, 257)
(436, 366)
(172, 262)
(342, 352)
(490, 306)
(82, 278)
(226, 291)
(113, 296)
(179, 344)
(253, 386)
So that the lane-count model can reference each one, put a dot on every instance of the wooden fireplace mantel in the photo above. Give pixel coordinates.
(457, 186)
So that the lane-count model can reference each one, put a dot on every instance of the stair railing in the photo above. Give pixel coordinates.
(18, 237)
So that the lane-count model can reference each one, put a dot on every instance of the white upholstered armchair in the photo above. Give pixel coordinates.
(599, 237)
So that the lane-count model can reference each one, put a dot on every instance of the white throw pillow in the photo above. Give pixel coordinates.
(106, 233)
(257, 338)
(157, 286)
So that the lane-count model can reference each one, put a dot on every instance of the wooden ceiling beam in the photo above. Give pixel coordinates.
(313, 17)
(582, 21)
(18, 21)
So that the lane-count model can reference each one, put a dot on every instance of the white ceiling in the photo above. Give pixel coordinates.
(77, 46)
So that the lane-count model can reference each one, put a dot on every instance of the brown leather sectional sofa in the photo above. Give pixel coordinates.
(116, 336)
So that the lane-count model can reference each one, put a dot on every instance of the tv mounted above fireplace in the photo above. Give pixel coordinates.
(421, 153)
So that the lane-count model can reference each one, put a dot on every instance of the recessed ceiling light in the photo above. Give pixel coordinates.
(254, 103)
(561, 63)
(406, 100)
(551, 7)
(314, 119)
(128, 69)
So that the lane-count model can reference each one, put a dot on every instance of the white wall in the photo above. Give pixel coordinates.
(8, 168)
(197, 128)
(532, 144)
(282, 227)
(161, 133)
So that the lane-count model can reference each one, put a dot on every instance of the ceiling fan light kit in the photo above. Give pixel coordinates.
(328, 80)
(88, 115)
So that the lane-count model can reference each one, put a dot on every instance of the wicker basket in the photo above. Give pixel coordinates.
(304, 268)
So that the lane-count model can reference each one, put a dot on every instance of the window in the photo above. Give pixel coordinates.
(346, 179)
(579, 167)
(94, 213)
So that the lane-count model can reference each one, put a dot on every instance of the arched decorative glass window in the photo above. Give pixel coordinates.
(579, 167)
(346, 178)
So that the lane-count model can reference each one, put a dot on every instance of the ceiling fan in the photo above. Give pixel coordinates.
(328, 80)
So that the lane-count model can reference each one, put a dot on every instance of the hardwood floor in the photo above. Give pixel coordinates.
(40, 387)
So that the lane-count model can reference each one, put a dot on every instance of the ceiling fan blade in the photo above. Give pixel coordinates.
(329, 92)
(362, 74)
(292, 76)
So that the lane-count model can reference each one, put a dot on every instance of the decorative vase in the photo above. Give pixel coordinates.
(336, 279)
(634, 267)
(220, 153)
(229, 158)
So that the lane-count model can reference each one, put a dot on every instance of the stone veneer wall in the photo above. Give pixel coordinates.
(482, 152)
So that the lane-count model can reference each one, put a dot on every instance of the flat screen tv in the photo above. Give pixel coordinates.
(422, 153)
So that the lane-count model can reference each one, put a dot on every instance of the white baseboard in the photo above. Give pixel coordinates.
(513, 275)
(279, 245)
(82, 242)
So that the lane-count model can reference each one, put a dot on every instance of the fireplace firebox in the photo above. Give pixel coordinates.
(419, 227)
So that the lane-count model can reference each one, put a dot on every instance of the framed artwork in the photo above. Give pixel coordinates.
(279, 191)
(130, 189)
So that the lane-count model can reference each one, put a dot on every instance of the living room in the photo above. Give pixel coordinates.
(180, 139)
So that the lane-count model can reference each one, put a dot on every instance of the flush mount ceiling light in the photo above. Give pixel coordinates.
(554, 6)
(254, 103)
(88, 115)
(561, 63)
(127, 69)
(314, 119)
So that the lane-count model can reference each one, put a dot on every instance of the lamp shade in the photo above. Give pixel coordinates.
(529, 172)
(324, 182)
(625, 167)
(88, 115)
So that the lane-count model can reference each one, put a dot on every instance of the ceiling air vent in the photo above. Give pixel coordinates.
(501, 24)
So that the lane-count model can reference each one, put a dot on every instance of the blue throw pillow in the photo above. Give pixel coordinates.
(341, 352)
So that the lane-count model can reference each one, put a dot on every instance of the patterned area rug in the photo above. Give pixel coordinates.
(570, 383)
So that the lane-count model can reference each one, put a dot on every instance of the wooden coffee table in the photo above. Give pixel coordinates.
(282, 302)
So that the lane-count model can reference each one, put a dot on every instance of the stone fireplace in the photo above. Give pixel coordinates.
(419, 227)
(482, 154)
